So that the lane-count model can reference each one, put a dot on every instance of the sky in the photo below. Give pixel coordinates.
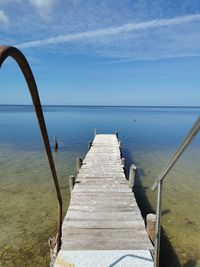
(108, 52)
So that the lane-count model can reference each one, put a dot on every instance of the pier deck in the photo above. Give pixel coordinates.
(103, 225)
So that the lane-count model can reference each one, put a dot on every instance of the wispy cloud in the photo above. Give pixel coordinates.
(3, 18)
(43, 6)
(43, 3)
(116, 30)
(130, 27)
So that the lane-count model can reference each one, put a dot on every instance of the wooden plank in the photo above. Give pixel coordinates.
(101, 196)
(111, 198)
(101, 244)
(106, 202)
(104, 180)
(103, 183)
(103, 208)
(123, 234)
(110, 216)
(103, 225)
(101, 189)
(94, 202)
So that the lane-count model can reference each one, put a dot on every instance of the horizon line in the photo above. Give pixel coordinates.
(101, 105)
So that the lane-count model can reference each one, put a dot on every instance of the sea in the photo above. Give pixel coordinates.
(149, 136)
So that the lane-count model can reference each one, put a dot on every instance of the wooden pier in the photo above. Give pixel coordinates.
(103, 225)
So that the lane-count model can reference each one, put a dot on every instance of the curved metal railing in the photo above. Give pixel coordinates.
(6, 51)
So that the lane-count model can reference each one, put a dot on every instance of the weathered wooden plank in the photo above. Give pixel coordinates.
(102, 174)
(105, 195)
(124, 234)
(110, 216)
(94, 244)
(85, 201)
(102, 168)
(96, 202)
(100, 189)
(103, 198)
(107, 208)
(104, 180)
(134, 225)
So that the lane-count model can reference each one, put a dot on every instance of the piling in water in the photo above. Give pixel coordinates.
(132, 174)
(55, 143)
(151, 226)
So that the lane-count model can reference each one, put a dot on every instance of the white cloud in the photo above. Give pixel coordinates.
(3, 18)
(112, 31)
(43, 5)
(8, 1)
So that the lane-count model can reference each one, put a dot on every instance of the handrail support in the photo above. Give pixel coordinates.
(158, 225)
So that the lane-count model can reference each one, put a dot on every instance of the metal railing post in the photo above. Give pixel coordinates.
(158, 226)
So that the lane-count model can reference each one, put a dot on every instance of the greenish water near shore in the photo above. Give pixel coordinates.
(149, 137)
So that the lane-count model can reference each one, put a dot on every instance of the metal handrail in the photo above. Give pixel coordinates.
(6, 51)
(159, 183)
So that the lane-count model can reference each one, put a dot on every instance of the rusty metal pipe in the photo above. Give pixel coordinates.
(6, 51)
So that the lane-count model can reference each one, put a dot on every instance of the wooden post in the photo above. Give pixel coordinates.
(55, 143)
(132, 174)
(89, 144)
(151, 226)
(117, 134)
(95, 132)
(79, 163)
(72, 180)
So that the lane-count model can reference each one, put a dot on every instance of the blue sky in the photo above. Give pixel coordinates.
(108, 52)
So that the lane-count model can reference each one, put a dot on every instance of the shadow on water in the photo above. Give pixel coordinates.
(190, 263)
(168, 256)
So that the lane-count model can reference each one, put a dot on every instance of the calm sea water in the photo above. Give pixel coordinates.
(149, 137)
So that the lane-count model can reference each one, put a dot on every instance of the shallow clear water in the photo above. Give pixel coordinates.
(149, 137)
